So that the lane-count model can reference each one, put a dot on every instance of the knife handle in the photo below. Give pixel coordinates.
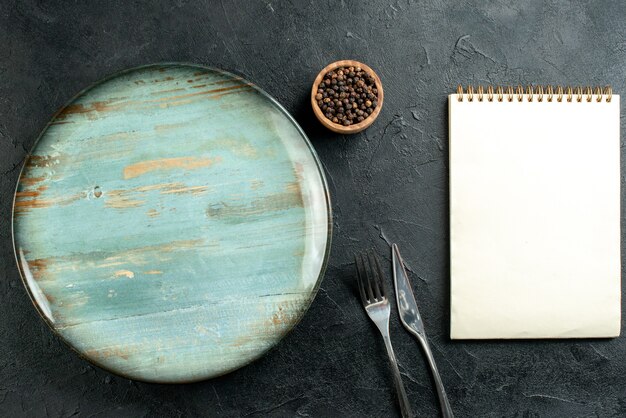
(446, 410)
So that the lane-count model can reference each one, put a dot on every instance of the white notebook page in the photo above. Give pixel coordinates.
(534, 218)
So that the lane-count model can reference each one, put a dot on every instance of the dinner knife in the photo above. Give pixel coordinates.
(412, 321)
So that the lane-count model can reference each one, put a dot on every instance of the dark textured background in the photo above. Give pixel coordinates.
(387, 184)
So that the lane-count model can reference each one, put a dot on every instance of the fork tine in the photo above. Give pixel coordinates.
(377, 275)
(383, 284)
(368, 278)
(360, 271)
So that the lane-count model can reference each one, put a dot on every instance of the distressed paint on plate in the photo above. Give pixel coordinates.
(172, 223)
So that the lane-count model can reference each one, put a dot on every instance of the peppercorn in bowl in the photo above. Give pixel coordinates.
(347, 96)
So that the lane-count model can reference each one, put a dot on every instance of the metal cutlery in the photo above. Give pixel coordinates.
(374, 297)
(412, 321)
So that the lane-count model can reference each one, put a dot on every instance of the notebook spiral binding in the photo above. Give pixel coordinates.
(531, 93)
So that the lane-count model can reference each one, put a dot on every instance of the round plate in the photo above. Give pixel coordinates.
(172, 223)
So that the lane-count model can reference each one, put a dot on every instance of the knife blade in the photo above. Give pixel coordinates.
(407, 306)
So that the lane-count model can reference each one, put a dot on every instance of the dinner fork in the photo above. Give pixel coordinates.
(374, 297)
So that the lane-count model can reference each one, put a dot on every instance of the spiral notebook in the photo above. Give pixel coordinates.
(534, 213)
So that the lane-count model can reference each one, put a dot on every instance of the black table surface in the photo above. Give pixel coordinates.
(388, 184)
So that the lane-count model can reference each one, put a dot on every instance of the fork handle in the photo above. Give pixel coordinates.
(446, 410)
(405, 406)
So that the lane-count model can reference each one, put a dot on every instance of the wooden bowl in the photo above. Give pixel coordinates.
(335, 127)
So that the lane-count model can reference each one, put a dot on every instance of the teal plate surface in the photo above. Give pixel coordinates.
(172, 223)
